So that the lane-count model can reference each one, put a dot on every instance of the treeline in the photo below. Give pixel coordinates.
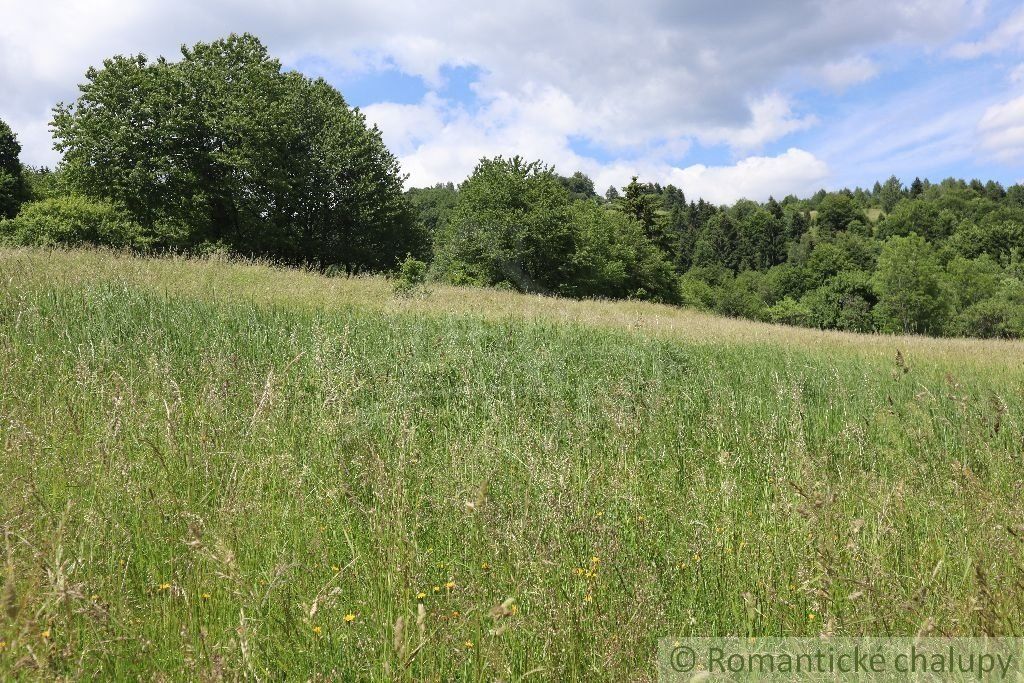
(224, 150)
(938, 259)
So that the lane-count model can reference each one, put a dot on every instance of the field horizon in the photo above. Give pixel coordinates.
(223, 469)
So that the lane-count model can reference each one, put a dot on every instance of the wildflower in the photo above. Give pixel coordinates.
(595, 560)
(810, 616)
(421, 595)
(437, 589)
(317, 630)
(45, 634)
(580, 571)
(94, 597)
(164, 586)
(455, 614)
(349, 618)
(335, 568)
(588, 598)
(513, 609)
(485, 566)
(205, 596)
(450, 585)
(468, 644)
(3, 645)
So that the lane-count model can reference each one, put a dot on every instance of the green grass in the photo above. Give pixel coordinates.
(207, 466)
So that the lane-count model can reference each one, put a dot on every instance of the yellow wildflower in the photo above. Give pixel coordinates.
(335, 568)
(421, 595)
(588, 598)
(317, 630)
(810, 616)
(513, 609)
(206, 596)
(455, 614)
(437, 589)
(164, 586)
(485, 566)
(450, 585)
(349, 618)
(595, 560)
(468, 644)
(45, 634)
(580, 571)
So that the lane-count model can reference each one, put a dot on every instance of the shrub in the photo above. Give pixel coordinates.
(412, 275)
(73, 221)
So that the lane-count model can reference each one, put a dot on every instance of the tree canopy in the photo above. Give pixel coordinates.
(223, 146)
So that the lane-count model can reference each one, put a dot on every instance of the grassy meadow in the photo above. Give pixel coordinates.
(227, 470)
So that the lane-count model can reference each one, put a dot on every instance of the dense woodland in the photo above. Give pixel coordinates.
(223, 150)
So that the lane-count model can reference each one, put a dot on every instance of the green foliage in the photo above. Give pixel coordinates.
(224, 146)
(510, 223)
(44, 183)
(13, 189)
(788, 311)
(579, 186)
(412, 276)
(890, 193)
(844, 302)
(837, 211)
(74, 221)
(515, 222)
(1001, 315)
(614, 258)
(910, 297)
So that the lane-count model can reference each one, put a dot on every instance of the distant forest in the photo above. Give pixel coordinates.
(943, 258)
(223, 150)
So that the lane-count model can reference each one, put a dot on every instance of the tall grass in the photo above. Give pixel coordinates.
(217, 470)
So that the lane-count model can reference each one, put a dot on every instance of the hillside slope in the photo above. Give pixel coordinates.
(218, 469)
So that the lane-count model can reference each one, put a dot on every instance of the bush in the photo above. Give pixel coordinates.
(73, 221)
(789, 312)
(412, 275)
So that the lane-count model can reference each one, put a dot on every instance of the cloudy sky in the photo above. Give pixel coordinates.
(724, 99)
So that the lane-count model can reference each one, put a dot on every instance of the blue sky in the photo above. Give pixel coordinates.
(734, 99)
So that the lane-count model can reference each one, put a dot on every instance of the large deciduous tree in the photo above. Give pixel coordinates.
(224, 146)
(910, 295)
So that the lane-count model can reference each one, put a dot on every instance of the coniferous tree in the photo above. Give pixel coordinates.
(916, 188)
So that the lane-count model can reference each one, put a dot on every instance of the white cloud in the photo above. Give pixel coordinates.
(644, 82)
(848, 72)
(797, 171)
(1009, 34)
(772, 118)
(1001, 130)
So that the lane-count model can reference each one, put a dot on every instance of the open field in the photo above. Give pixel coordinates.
(216, 470)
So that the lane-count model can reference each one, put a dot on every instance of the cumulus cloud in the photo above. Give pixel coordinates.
(644, 84)
(796, 171)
